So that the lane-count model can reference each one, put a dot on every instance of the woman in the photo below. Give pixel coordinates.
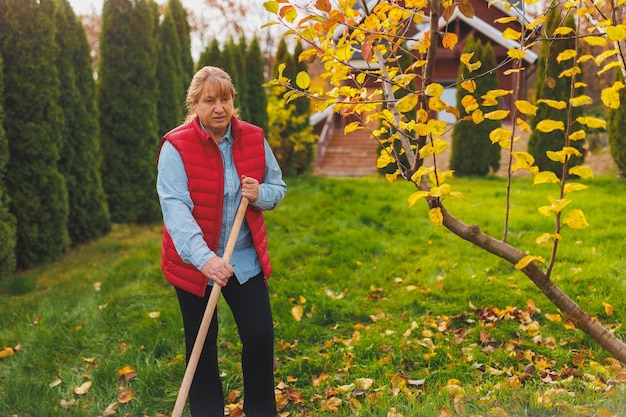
(205, 167)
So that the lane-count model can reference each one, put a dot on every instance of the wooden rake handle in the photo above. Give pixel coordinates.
(208, 315)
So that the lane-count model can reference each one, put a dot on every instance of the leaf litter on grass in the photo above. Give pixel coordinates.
(504, 349)
(355, 339)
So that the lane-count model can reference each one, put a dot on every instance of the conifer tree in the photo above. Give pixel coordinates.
(169, 69)
(211, 56)
(472, 153)
(239, 52)
(283, 57)
(290, 133)
(183, 32)
(490, 82)
(231, 63)
(255, 78)
(302, 113)
(616, 129)
(127, 92)
(80, 157)
(35, 186)
(303, 104)
(550, 86)
(7, 220)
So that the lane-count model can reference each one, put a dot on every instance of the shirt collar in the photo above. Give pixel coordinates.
(227, 135)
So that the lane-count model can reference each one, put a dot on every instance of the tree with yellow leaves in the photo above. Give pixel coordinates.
(378, 31)
(472, 153)
(550, 86)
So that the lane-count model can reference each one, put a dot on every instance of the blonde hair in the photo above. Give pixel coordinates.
(213, 78)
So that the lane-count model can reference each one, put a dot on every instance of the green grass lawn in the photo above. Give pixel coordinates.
(377, 312)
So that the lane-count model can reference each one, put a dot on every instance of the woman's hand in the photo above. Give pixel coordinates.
(218, 270)
(249, 188)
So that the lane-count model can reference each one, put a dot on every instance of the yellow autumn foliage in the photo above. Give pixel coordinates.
(583, 172)
(436, 216)
(523, 160)
(526, 260)
(548, 125)
(576, 219)
(525, 107)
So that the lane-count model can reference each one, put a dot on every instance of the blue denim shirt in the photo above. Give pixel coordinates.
(177, 207)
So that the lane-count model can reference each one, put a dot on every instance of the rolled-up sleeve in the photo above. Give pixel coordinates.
(273, 189)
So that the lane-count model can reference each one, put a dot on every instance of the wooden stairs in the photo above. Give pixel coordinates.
(351, 155)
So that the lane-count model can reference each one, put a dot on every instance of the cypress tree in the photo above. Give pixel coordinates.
(472, 151)
(33, 117)
(616, 129)
(126, 93)
(283, 57)
(290, 135)
(302, 112)
(7, 220)
(231, 64)
(303, 104)
(239, 52)
(211, 56)
(490, 82)
(179, 15)
(170, 108)
(558, 88)
(80, 156)
(255, 78)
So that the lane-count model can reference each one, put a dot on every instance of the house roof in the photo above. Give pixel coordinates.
(488, 30)
(481, 25)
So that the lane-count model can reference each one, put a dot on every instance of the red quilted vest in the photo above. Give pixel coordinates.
(205, 172)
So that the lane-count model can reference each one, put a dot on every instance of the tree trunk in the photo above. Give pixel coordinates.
(583, 320)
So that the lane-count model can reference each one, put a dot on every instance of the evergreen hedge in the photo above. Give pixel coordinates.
(472, 153)
(550, 86)
(33, 118)
(239, 52)
(7, 220)
(183, 33)
(80, 156)
(617, 130)
(255, 78)
(211, 56)
(169, 73)
(290, 133)
(127, 92)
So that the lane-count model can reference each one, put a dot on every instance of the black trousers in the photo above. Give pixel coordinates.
(250, 306)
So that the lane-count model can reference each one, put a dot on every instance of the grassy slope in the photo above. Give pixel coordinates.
(396, 314)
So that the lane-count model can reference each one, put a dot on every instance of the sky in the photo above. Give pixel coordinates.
(87, 6)
(199, 42)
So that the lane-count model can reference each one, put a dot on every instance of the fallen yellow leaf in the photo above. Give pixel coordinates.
(67, 403)
(83, 389)
(128, 372)
(6, 352)
(365, 383)
(296, 313)
(126, 395)
(331, 404)
(55, 383)
(110, 410)
(554, 317)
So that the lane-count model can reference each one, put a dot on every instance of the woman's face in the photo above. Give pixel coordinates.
(215, 112)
